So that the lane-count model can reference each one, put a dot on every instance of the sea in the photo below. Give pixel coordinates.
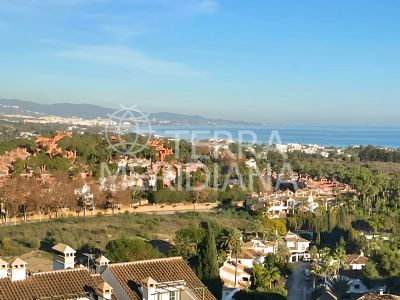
(339, 137)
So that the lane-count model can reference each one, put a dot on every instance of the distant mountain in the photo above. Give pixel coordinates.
(86, 111)
(91, 111)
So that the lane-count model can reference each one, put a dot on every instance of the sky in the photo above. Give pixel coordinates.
(310, 62)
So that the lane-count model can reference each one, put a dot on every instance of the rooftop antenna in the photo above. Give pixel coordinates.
(90, 257)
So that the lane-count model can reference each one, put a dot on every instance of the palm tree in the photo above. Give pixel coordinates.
(339, 256)
(317, 272)
(272, 275)
(339, 286)
(257, 226)
(265, 277)
(233, 241)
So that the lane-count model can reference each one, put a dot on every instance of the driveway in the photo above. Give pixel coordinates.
(298, 287)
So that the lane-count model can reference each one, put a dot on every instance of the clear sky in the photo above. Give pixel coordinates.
(316, 62)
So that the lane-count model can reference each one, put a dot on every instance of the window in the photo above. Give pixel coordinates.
(357, 286)
(172, 296)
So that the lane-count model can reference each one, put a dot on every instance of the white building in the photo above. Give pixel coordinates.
(63, 257)
(3, 269)
(227, 274)
(298, 247)
(18, 270)
(157, 279)
(356, 261)
(357, 286)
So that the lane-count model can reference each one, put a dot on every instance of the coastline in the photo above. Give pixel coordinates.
(327, 136)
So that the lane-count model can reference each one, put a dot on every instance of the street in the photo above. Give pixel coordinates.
(298, 287)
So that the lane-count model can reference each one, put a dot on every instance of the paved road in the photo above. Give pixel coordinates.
(298, 287)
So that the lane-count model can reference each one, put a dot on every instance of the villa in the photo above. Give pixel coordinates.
(156, 279)
(227, 274)
(356, 261)
(298, 247)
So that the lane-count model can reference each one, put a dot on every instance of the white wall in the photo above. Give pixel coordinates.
(362, 288)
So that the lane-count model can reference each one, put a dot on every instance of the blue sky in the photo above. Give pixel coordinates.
(317, 62)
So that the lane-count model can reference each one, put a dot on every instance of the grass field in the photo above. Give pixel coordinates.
(95, 232)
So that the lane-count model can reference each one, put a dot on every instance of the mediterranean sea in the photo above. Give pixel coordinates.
(324, 136)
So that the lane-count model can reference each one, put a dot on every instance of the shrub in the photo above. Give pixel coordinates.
(124, 250)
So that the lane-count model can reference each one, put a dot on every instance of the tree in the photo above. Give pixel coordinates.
(339, 256)
(18, 167)
(370, 270)
(265, 277)
(258, 226)
(317, 272)
(339, 286)
(187, 241)
(233, 241)
(124, 250)
(282, 251)
(314, 252)
(318, 240)
(208, 264)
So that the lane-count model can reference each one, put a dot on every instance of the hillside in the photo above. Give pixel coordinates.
(91, 111)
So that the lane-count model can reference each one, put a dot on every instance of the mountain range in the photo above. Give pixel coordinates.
(91, 111)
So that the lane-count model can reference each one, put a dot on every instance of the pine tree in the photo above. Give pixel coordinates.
(208, 270)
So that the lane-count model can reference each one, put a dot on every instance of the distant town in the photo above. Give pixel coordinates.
(274, 221)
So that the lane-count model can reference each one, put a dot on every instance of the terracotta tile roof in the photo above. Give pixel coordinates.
(130, 275)
(250, 254)
(250, 244)
(17, 261)
(357, 259)
(3, 262)
(350, 257)
(270, 244)
(63, 248)
(50, 284)
(102, 259)
(301, 240)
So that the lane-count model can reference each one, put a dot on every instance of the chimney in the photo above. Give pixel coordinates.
(380, 291)
(63, 257)
(104, 291)
(101, 264)
(148, 288)
(3, 269)
(18, 270)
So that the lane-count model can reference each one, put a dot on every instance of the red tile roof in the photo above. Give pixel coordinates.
(130, 275)
(356, 259)
(50, 284)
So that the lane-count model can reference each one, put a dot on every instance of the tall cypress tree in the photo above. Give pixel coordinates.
(208, 270)
(318, 240)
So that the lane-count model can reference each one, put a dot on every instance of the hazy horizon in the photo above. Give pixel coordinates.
(312, 64)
